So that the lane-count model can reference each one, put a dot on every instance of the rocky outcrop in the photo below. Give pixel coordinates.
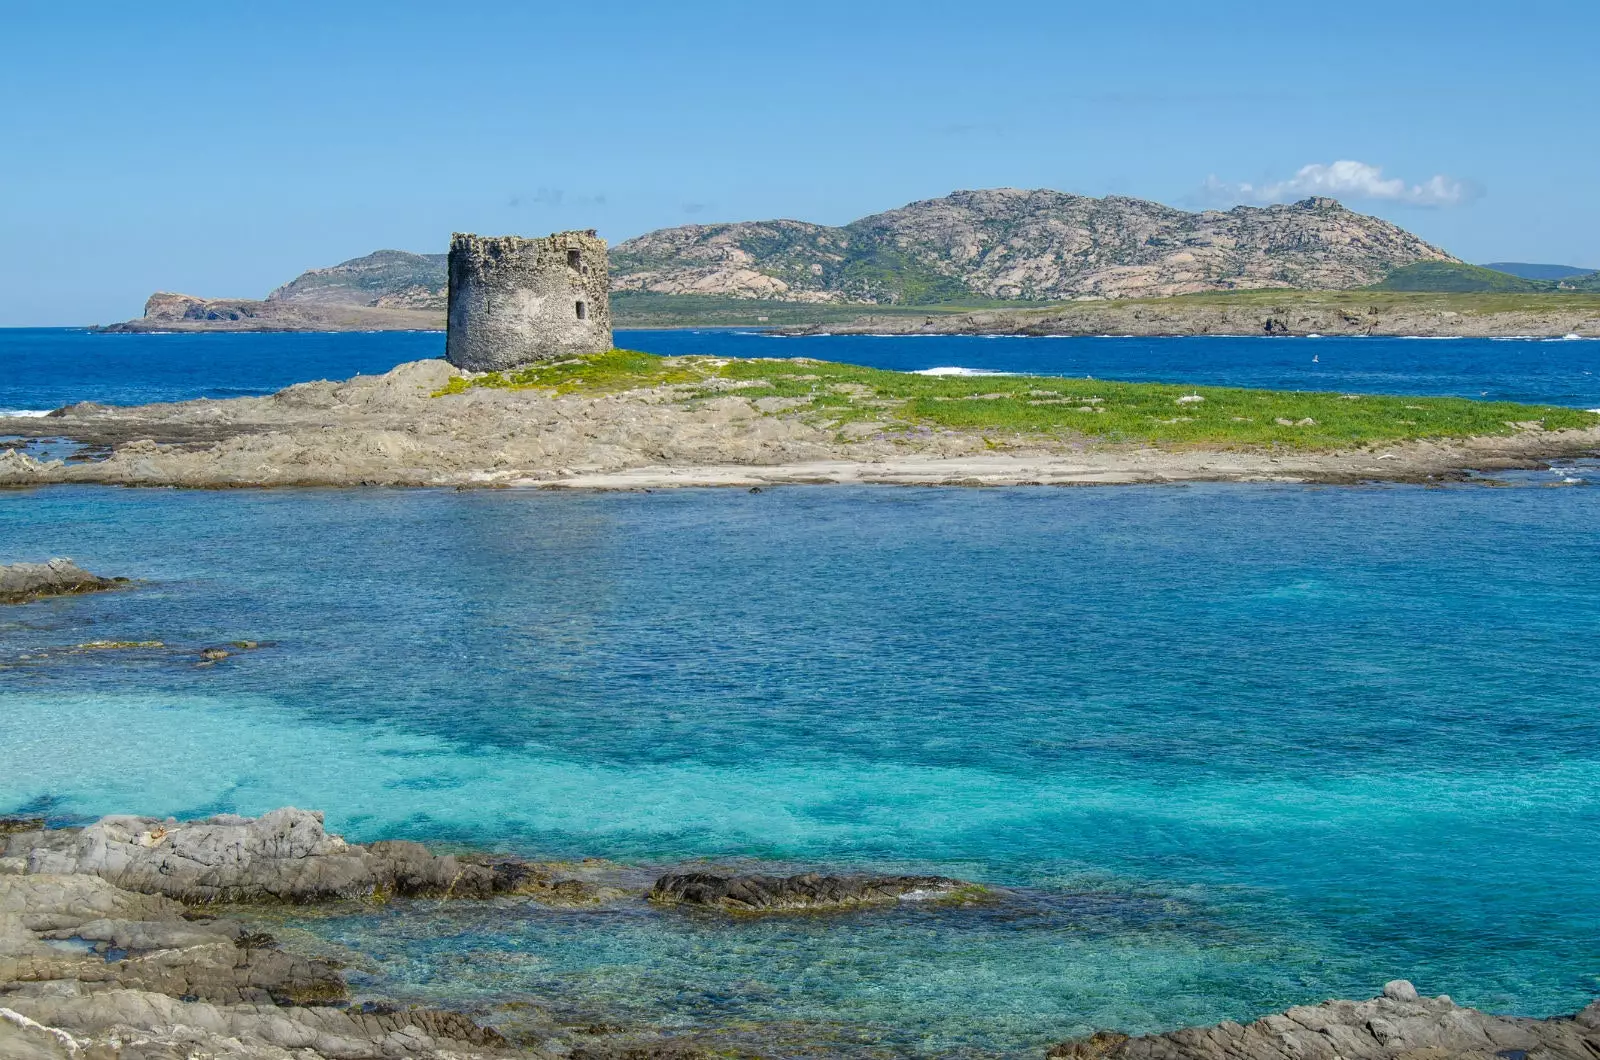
(82, 928)
(166, 311)
(101, 960)
(1397, 1024)
(807, 892)
(23, 582)
(1012, 243)
(284, 855)
(92, 971)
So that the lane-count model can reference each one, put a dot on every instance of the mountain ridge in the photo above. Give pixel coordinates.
(1011, 243)
(968, 249)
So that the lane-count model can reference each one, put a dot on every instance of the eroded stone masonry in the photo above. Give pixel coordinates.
(516, 300)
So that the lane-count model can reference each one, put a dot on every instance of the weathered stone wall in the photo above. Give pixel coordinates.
(515, 300)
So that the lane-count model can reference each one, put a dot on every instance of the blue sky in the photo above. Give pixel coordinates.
(219, 149)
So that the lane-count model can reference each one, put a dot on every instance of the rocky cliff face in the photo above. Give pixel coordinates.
(1008, 243)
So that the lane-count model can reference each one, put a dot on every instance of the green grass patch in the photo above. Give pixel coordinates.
(613, 370)
(1013, 407)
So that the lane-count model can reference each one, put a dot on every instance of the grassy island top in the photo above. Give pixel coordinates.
(826, 392)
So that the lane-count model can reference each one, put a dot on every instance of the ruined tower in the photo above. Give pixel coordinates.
(515, 300)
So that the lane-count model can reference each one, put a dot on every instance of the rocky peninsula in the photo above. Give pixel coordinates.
(633, 421)
(132, 939)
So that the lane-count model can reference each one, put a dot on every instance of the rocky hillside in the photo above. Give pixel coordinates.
(1008, 243)
(1003, 243)
(384, 279)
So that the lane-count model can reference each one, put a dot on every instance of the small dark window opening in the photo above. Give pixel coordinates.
(583, 311)
(574, 259)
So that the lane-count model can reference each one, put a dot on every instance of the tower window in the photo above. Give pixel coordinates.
(583, 311)
(574, 259)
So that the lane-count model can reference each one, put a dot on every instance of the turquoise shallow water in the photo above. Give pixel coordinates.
(1236, 747)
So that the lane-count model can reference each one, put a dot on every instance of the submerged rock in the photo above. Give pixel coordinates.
(762, 894)
(24, 582)
(1399, 1023)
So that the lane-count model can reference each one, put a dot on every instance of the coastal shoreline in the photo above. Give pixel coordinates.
(151, 931)
(1347, 314)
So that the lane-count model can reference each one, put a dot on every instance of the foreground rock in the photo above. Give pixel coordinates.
(284, 855)
(390, 430)
(23, 582)
(1397, 1024)
(96, 972)
(769, 894)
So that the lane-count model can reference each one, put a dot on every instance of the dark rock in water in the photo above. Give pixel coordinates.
(1399, 1024)
(759, 894)
(23, 582)
(13, 825)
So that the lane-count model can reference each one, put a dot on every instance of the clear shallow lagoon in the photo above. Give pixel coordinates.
(1238, 746)
(47, 368)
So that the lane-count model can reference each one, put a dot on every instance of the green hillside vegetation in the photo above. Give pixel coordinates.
(1457, 278)
(1017, 405)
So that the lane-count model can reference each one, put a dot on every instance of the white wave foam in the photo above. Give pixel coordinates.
(30, 414)
(952, 370)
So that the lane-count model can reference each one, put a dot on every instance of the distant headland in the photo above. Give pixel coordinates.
(968, 252)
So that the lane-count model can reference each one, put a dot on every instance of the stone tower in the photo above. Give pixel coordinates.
(515, 300)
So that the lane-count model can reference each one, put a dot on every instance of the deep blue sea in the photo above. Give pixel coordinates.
(47, 368)
(1233, 747)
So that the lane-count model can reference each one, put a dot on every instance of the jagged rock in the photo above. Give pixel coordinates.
(760, 894)
(134, 1024)
(84, 930)
(22, 582)
(1397, 1024)
(86, 968)
(284, 855)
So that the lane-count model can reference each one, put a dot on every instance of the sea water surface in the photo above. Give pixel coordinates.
(1225, 748)
(1236, 747)
(42, 369)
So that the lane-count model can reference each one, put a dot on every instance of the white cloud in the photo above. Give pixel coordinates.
(1346, 180)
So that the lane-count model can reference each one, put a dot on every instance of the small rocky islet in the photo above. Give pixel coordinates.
(22, 583)
(131, 938)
